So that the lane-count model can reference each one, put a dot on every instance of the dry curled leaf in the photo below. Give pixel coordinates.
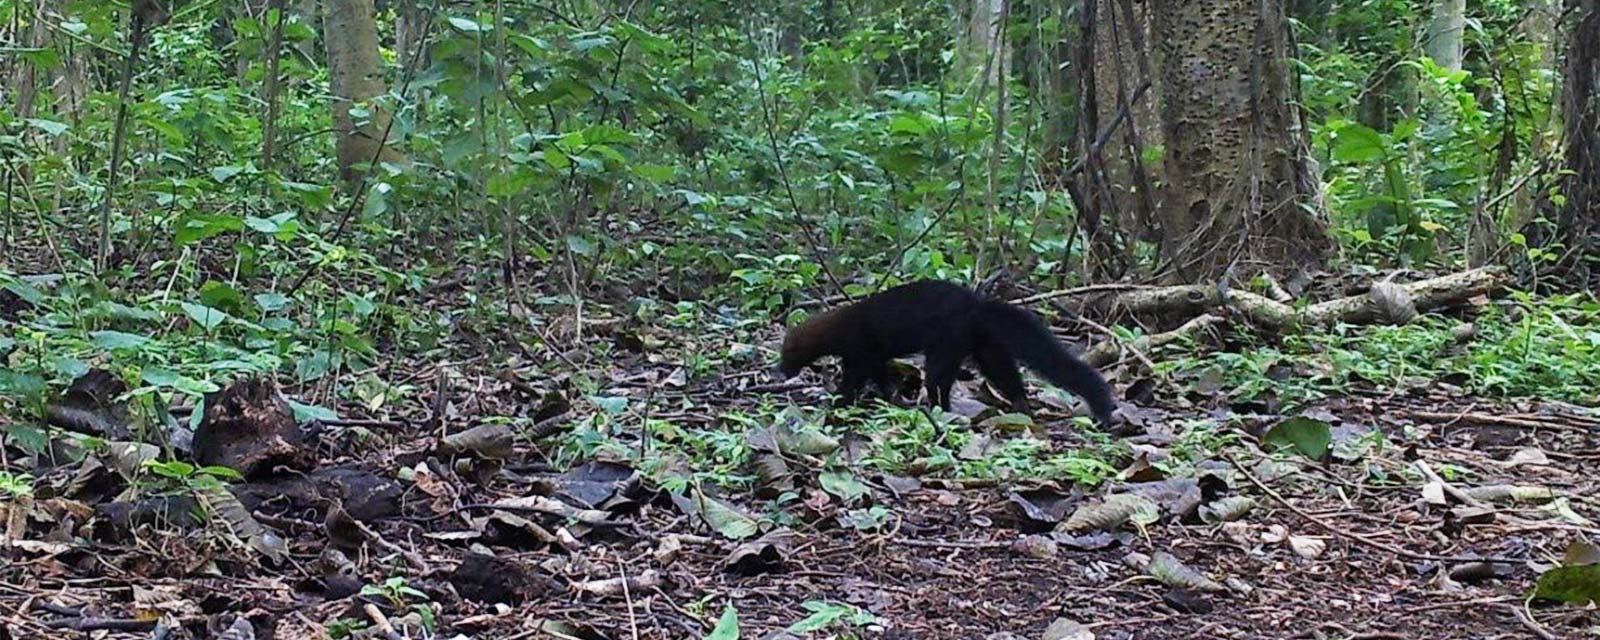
(1174, 573)
(1512, 494)
(1110, 513)
(1308, 547)
(221, 503)
(1227, 509)
(493, 441)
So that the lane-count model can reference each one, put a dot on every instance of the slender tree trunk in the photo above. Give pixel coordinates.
(1579, 218)
(1241, 193)
(269, 89)
(1445, 32)
(350, 34)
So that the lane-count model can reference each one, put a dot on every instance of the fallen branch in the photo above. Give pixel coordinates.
(1106, 353)
(1195, 299)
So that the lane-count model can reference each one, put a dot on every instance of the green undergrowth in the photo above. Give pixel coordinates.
(1544, 348)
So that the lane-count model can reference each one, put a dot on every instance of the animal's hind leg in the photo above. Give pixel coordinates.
(1000, 369)
(942, 366)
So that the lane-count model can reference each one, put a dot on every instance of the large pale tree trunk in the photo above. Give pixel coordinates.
(1443, 42)
(1242, 194)
(351, 37)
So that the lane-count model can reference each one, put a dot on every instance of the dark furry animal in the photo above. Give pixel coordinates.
(946, 323)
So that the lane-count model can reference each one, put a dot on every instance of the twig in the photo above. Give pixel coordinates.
(1500, 421)
(1526, 618)
(1078, 291)
(1356, 537)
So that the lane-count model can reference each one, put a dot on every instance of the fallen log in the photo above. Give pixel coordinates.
(1385, 302)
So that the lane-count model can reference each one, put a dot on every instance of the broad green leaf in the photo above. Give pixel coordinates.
(220, 295)
(1358, 143)
(164, 378)
(307, 412)
(467, 25)
(843, 484)
(727, 626)
(825, 614)
(270, 302)
(610, 404)
(223, 174)
(27, 292)
(207, 317)
(112, 340)
(196, 227)
(1311, 438)
(49, 127)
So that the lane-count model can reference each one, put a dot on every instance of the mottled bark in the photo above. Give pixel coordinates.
(1241, 192)
(1445, 31)
(351, 37)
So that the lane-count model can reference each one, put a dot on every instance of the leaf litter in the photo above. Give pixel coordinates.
(795, 526)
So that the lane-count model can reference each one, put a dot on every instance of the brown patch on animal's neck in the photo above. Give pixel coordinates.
(817, 336)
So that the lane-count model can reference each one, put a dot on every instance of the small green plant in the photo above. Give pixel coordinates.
(401, 596)
(176, 476)
(827, 614)
(345, 628)
(15, 485)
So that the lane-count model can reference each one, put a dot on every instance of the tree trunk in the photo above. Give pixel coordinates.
(351, 37)
(1444, 33)
(1242, 194)
(269, 87)
(982, 37)
(1121, 64)
(1579, 218)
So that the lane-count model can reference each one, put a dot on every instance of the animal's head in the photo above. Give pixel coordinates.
(795, 355)
(803, 344)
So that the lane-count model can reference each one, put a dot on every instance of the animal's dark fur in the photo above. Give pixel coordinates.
(946, 323)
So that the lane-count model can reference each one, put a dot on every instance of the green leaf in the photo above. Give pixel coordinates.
(727, 626)
(467, 25)
(580, 245)
(825, 614)
(1311, 438)
(270, 302)
(31, 438)
(199, 226)
(220, 295)
(377, 201)
(843, 484)
(49, 127)
(17, 384)
(113, 340)
(610, 404)
(1358, 143)
(159, 377)
(29, 293)
(223, 174)
(304, 413)
(207, 317)
(1578, 585)
(721, 517)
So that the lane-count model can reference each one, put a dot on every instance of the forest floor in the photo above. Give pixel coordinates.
(1363, 545)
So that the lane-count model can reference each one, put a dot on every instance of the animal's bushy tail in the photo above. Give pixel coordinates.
(1030, 341)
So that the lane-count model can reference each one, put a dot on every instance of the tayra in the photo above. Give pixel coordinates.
(946, 323)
